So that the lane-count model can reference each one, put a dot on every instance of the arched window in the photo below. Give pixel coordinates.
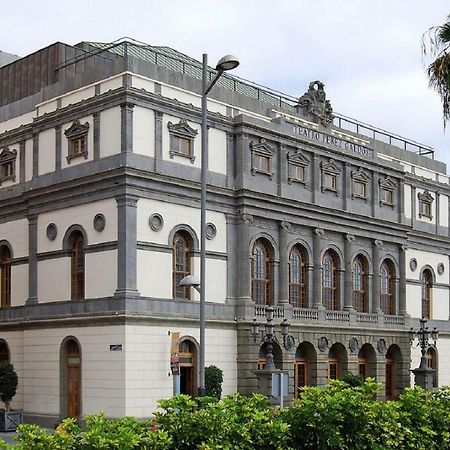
(181, 265)
(77, 266)
(387, 302)
(5, 277)
(427, 282)
(297, 277)
(70, 376)
(431, 358)
(330, 297)
(261, 269)
(359, 274)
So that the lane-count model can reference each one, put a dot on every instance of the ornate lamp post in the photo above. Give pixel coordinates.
(423, 374)
(269, 337)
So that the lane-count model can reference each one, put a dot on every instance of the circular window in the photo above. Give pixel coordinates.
(440, 268)
(156, 221)
(99, 222)
(52, 231)
(413, 264)
(210, 231)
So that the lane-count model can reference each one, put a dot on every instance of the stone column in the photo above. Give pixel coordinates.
(437, 212)
(402, 287)
(284, 263)
(22, 162)
(35, 154)
(127, 245)
(158, 140)
(317, 268)
(32, 259)
(126, 135)
(244, 288)
(96, 136)
(348, 288)
(58, 147)
(376, 292)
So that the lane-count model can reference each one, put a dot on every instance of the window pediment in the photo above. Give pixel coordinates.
(7, 164)
(387, 183)
(182, 128)
(77, 130)
(261, 154)
(182, 137)
(298, 157)
(330, 167)
(425, 197)
(361, 175)
(297, 162)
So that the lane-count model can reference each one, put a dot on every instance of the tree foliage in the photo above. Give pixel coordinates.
(213, 381)
(436, 44)
(8, 383)
(339, 416)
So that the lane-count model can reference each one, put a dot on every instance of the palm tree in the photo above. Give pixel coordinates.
(436, 43)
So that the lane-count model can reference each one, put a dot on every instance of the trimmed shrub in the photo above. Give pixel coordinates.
(8, 383)
(213, 381)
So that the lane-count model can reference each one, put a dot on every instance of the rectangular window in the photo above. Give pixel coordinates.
(8, 169)
(76, 146)
(333, 372)
(180, 145)
(387, 196)
(330, 181)
(298, 173)
(263, 163)
(425, 209)
(359, 189)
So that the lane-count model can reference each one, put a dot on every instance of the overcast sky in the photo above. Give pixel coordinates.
(367, 52)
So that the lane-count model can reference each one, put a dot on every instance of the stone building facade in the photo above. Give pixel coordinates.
(344, 229)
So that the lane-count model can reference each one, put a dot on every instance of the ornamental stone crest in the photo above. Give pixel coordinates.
(314, 102)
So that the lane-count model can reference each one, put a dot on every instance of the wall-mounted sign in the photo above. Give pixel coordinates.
(115, 347)
(174, 357)
(331, 140)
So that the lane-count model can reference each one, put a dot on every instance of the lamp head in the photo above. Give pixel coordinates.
(190, 281)
(228, 62)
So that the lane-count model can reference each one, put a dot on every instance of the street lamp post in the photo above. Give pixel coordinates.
(269, 337)
(423, 374)
(226, 63)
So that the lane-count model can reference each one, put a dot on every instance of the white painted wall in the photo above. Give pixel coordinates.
(110, 126)
(101, 274)
(154, 274)
(181, 96)
(47, 107)
(166, 143)
(47, 151)
(175, 215)
(148, 363)
(65, 146)
(28, 159)
(440, 294)
(217, 151)
(425, 173)
(82, 215)
(54, 280)
(408, 206)
(103, 371)
(111, 84)
(16, 233)
(443, 210)
(16, 122)
(144, 131)
(77, 96)
(443, 179)
(443, 355)
(19, 284)
(140, 82)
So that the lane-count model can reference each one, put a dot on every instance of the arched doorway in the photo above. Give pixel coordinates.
(70, 378)
(337, 361)
(367, 362)
(188, 364)
(304, 367)
(393, 372)
(4, 351)
(277, 356)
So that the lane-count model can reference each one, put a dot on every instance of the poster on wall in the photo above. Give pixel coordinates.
(174, 357)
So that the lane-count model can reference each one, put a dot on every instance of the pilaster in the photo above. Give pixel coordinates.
(317, 268)
(348, 241)
(126, 135)
(376, 292)
(32, 259)
(284, 263)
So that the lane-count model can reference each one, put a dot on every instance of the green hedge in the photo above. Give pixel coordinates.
(338, 416)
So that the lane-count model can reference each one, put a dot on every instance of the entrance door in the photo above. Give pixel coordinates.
(300, 377)
(73, 379)
(187, 368)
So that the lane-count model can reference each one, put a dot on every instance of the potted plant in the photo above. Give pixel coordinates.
(9, 420)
